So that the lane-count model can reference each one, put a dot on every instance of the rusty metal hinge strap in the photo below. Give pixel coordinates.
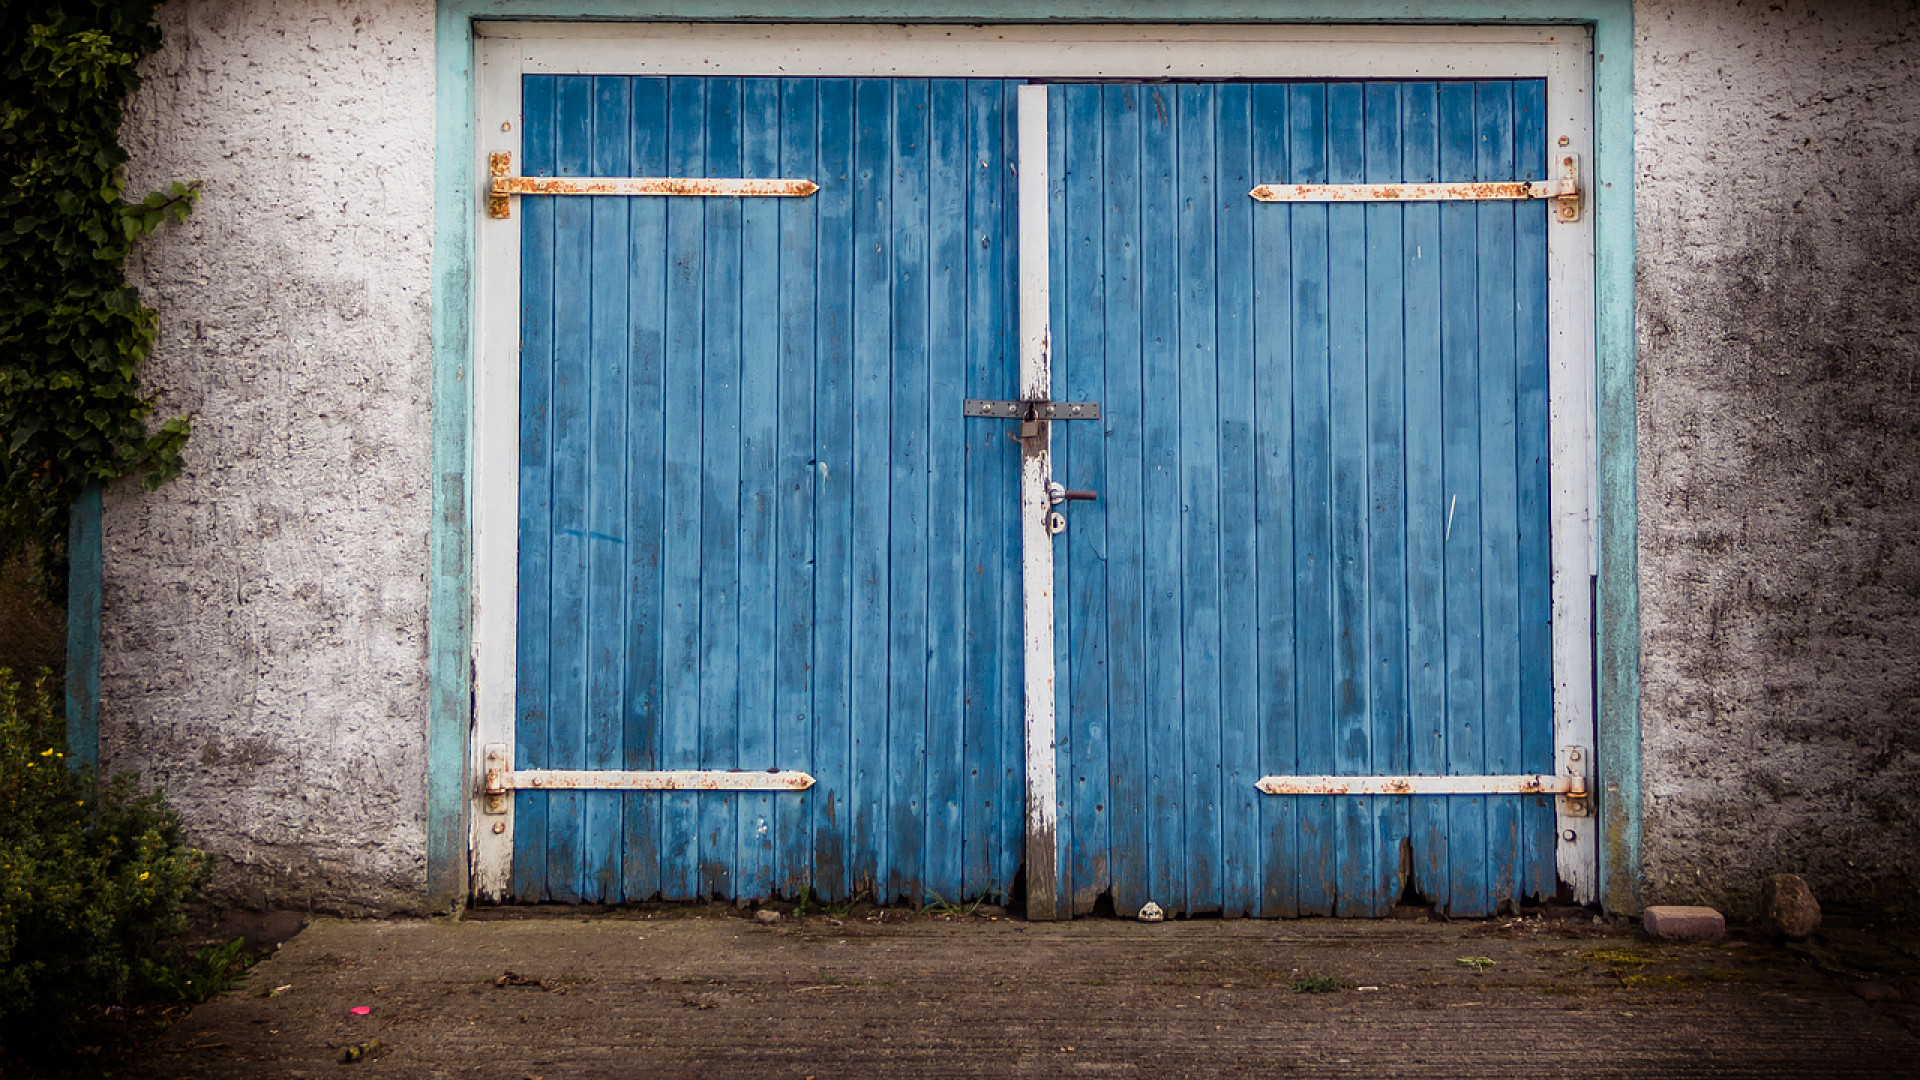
(1565, 190)
(502, 184)
(502, 779)
(1546, 784)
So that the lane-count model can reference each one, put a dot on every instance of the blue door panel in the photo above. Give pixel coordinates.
(754, 531)
(1323, 455)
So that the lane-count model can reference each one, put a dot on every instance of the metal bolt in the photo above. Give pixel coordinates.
(1565, 834)
(499, 827)
(509, 127)
(1573, 753)
(1564, 141)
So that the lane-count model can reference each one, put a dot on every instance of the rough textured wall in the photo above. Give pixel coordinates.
(265, 622)
(1778, 149)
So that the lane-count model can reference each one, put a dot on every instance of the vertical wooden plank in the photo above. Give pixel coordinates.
(834, 792)
(572, 361)
(681, 553)
(1160, 441)
(990, 507)
(1273, 444)
(1079, 366)
(872, 445)
(796, 478)
(1200, 493)
(1499, 530)
(606, 474)
(720, 493)
(1531, 451)
(1426, 494)
(760, 370)
(1239, 653)
(1038, 584)
(1314, 614)
(1122, 402)
(1347, 399)
(906, 455)
(534, 561)
(646, 478)
(948, 316)
(1013, 782)
(1386, 502)
(1460, 422)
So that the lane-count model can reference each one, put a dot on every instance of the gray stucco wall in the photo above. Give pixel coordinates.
(1778, 154)
(265, 614)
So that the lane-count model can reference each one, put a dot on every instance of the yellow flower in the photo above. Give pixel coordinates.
(143, 875)
(48, 752)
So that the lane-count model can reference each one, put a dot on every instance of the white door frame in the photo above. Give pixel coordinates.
(1562, 55)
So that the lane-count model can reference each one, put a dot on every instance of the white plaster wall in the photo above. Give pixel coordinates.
(1778, 147)
(265, 614)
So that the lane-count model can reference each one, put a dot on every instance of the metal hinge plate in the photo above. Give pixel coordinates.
(1564, 190)
(1033, 410)
(502, 780)
(501, 183)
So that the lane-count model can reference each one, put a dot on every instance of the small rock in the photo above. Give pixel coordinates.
(1152, 913)
(1873, 991)
(766, 916)
(1787, 907)
(1673, 922)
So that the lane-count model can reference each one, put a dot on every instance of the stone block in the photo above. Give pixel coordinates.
(1788, 908)
(1673, 922)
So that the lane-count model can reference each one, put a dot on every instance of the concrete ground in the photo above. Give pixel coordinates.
(710, 994)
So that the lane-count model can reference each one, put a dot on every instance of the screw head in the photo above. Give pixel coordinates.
(1565, 834)
(499, 827)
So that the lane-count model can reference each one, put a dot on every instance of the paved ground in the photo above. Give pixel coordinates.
(710, 995)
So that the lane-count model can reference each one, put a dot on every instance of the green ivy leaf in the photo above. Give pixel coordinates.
(72, 334)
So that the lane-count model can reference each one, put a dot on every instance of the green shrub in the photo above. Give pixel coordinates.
(92, 876)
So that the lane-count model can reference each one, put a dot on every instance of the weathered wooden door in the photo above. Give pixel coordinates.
(1321, 541)
(754, 531)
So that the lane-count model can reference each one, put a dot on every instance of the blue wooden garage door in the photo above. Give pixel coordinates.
(755, 531)
(1321, 542)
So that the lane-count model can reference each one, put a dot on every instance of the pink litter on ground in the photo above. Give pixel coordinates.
(361, 1010)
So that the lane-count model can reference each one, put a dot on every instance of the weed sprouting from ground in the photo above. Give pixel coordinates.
(1320, 984)
(940, 906)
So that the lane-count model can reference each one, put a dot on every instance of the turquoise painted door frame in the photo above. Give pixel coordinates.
(451, 540)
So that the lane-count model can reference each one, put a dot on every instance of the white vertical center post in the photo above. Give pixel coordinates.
(1036, 540)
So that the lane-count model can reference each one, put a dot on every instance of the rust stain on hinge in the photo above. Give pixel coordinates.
(1572, 786)
(1565, 191)
(502, 184)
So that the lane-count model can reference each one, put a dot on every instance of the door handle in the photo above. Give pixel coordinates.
(1059, 493)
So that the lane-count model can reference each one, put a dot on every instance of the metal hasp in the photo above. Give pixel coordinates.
(502, 183)
(501, 780)
(1565, 191)
(1571, 788)
(1032, 414)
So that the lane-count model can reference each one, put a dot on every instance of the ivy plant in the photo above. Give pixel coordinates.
(73, 333)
